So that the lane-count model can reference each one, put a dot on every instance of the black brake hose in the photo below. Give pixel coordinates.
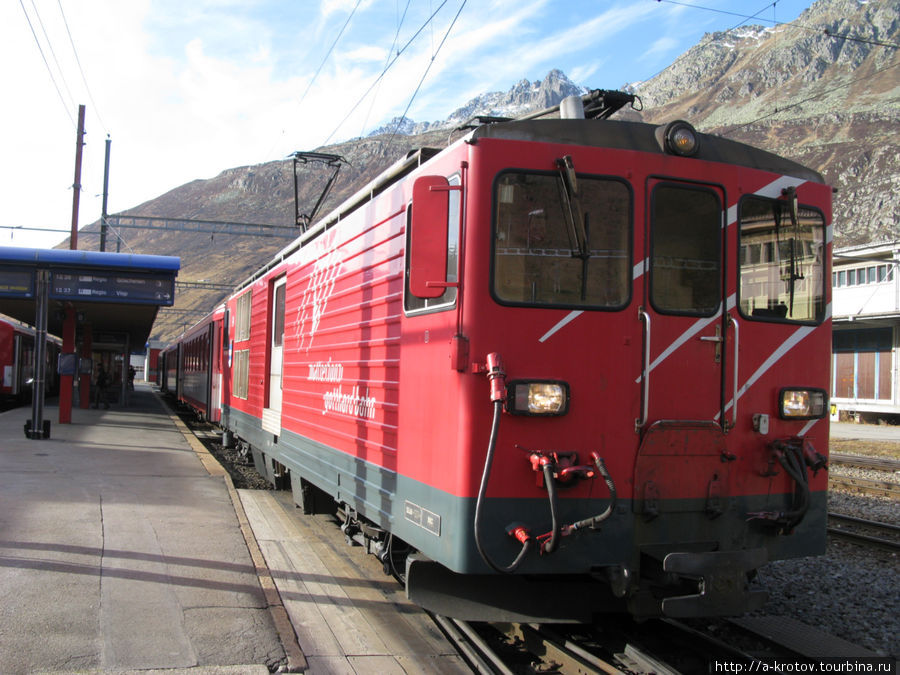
(594, 521)
(550, 545)
(794, 466)
(489, 459)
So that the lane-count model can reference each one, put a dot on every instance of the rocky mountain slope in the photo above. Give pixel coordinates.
(823, 90)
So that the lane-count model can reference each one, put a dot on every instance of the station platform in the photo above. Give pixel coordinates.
(125, 548)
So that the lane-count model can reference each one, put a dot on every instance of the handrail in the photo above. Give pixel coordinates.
(645, 375)
(734, 399)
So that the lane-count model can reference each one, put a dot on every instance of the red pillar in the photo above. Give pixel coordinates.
(84, 386)
(65, 381)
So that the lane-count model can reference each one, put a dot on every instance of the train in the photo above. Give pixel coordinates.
(17, 362)
(562, 367)
(191, 368)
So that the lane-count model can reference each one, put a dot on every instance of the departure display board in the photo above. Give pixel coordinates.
(106, 286)
(16, 282)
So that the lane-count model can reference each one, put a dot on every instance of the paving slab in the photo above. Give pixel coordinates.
(119, 552)
(349, 617)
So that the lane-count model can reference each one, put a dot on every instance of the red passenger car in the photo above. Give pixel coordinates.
(17, 361)
(561, 367)
(201, 362)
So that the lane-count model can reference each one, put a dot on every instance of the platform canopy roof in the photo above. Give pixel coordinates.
(118, 294)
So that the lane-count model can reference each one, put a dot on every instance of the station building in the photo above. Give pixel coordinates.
(866, 340)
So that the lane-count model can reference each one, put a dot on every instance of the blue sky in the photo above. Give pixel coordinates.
(188, 88)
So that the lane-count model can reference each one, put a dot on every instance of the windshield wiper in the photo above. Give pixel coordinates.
(575, 220)
(794, 274)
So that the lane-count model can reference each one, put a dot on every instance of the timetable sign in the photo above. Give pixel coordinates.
(110, 286)
(16, 282)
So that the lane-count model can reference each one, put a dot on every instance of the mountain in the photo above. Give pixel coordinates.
(522, 98)
(823, 90)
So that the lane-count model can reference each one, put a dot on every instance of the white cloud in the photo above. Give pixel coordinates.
(365, 54)
(584, 75)
(660, 47)
(187, 90)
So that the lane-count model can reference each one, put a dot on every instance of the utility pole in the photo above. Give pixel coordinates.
(104, 214)
(76, 196)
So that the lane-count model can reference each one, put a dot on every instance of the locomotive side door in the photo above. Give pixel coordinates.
(682, 372)
(272, 411)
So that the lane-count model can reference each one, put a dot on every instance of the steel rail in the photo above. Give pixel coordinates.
(875, 524)
(872, 487)
(560, 649)
(865, 539)
(480, 657)
(876, 463)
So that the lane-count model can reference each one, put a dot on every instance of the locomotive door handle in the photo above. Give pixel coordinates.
(645, 374)
(718, 339)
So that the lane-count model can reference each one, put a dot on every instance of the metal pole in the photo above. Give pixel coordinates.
(296, 196)
(126, 364)
(76, 194)
(104, 214)
(35, 429)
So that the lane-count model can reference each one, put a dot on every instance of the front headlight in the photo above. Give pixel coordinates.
(802, 404)
(538, 397)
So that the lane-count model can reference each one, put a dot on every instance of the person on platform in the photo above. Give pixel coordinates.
(100, 385)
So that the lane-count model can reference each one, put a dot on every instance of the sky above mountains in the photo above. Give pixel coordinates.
(187, 89)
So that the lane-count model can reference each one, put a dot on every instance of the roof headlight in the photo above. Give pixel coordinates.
(679, 138)
(538, 397)
(802, 404)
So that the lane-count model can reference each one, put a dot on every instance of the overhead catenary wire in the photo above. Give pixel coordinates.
(794, 24)
(49, 42)
(37, 42)
(386, 61)
(791, 24)
(328, 53)
(384, 71)
(808, 99)
(321, 65)
(701, 45)
(425, 74)
(94, 105)
(756, 16)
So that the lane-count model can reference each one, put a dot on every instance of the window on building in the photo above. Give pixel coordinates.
(862, 364)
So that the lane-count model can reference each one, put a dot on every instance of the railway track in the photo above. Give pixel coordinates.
(871, 463)
(865, 532)
(618, 645)
(881, 488)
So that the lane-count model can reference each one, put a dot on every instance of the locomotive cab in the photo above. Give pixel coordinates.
(711, 297)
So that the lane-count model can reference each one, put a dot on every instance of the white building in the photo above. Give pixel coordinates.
(866, 319)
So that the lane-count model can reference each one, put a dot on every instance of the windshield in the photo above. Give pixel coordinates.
(685, 260)
(782, 261)
(541, 257)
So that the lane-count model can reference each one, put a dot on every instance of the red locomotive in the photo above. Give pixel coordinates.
(564, 366)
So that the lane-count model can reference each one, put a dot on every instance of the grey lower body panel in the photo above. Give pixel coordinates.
(716, 551)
